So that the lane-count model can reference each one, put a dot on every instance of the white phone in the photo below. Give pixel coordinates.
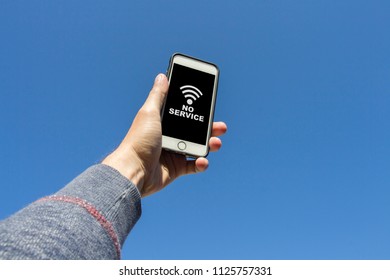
(188, 113)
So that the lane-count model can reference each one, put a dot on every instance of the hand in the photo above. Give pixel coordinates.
(140, 157)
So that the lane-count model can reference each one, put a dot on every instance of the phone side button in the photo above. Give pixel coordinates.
(181, 145)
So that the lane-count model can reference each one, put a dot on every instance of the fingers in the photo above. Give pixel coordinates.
(201, 164)
(198, 165)
(215, 144)
(219, 128)
(157, 94)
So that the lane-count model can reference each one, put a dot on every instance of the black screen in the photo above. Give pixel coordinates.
(188, 105)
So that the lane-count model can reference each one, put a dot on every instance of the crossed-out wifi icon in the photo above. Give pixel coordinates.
(191, 93)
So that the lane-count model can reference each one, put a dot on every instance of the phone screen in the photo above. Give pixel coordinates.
(188, 105)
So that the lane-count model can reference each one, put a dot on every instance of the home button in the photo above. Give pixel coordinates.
(181, 145)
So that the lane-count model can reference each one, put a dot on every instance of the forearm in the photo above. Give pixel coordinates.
(90, 218)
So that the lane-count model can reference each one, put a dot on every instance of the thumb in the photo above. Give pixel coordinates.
(157, 94)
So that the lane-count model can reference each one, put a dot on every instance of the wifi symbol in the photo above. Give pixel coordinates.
(191, 93)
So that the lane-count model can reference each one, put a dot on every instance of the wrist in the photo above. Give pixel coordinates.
(130, 169)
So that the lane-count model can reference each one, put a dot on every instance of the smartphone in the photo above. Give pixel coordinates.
(188, 113)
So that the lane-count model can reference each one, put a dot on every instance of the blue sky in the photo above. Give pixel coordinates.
(304, 88)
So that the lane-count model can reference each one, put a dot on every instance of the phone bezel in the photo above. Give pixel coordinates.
(192, 149)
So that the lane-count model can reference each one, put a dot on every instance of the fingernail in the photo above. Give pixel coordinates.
(159, 78)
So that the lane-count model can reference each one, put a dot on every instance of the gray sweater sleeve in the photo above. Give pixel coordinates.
(89, 218)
